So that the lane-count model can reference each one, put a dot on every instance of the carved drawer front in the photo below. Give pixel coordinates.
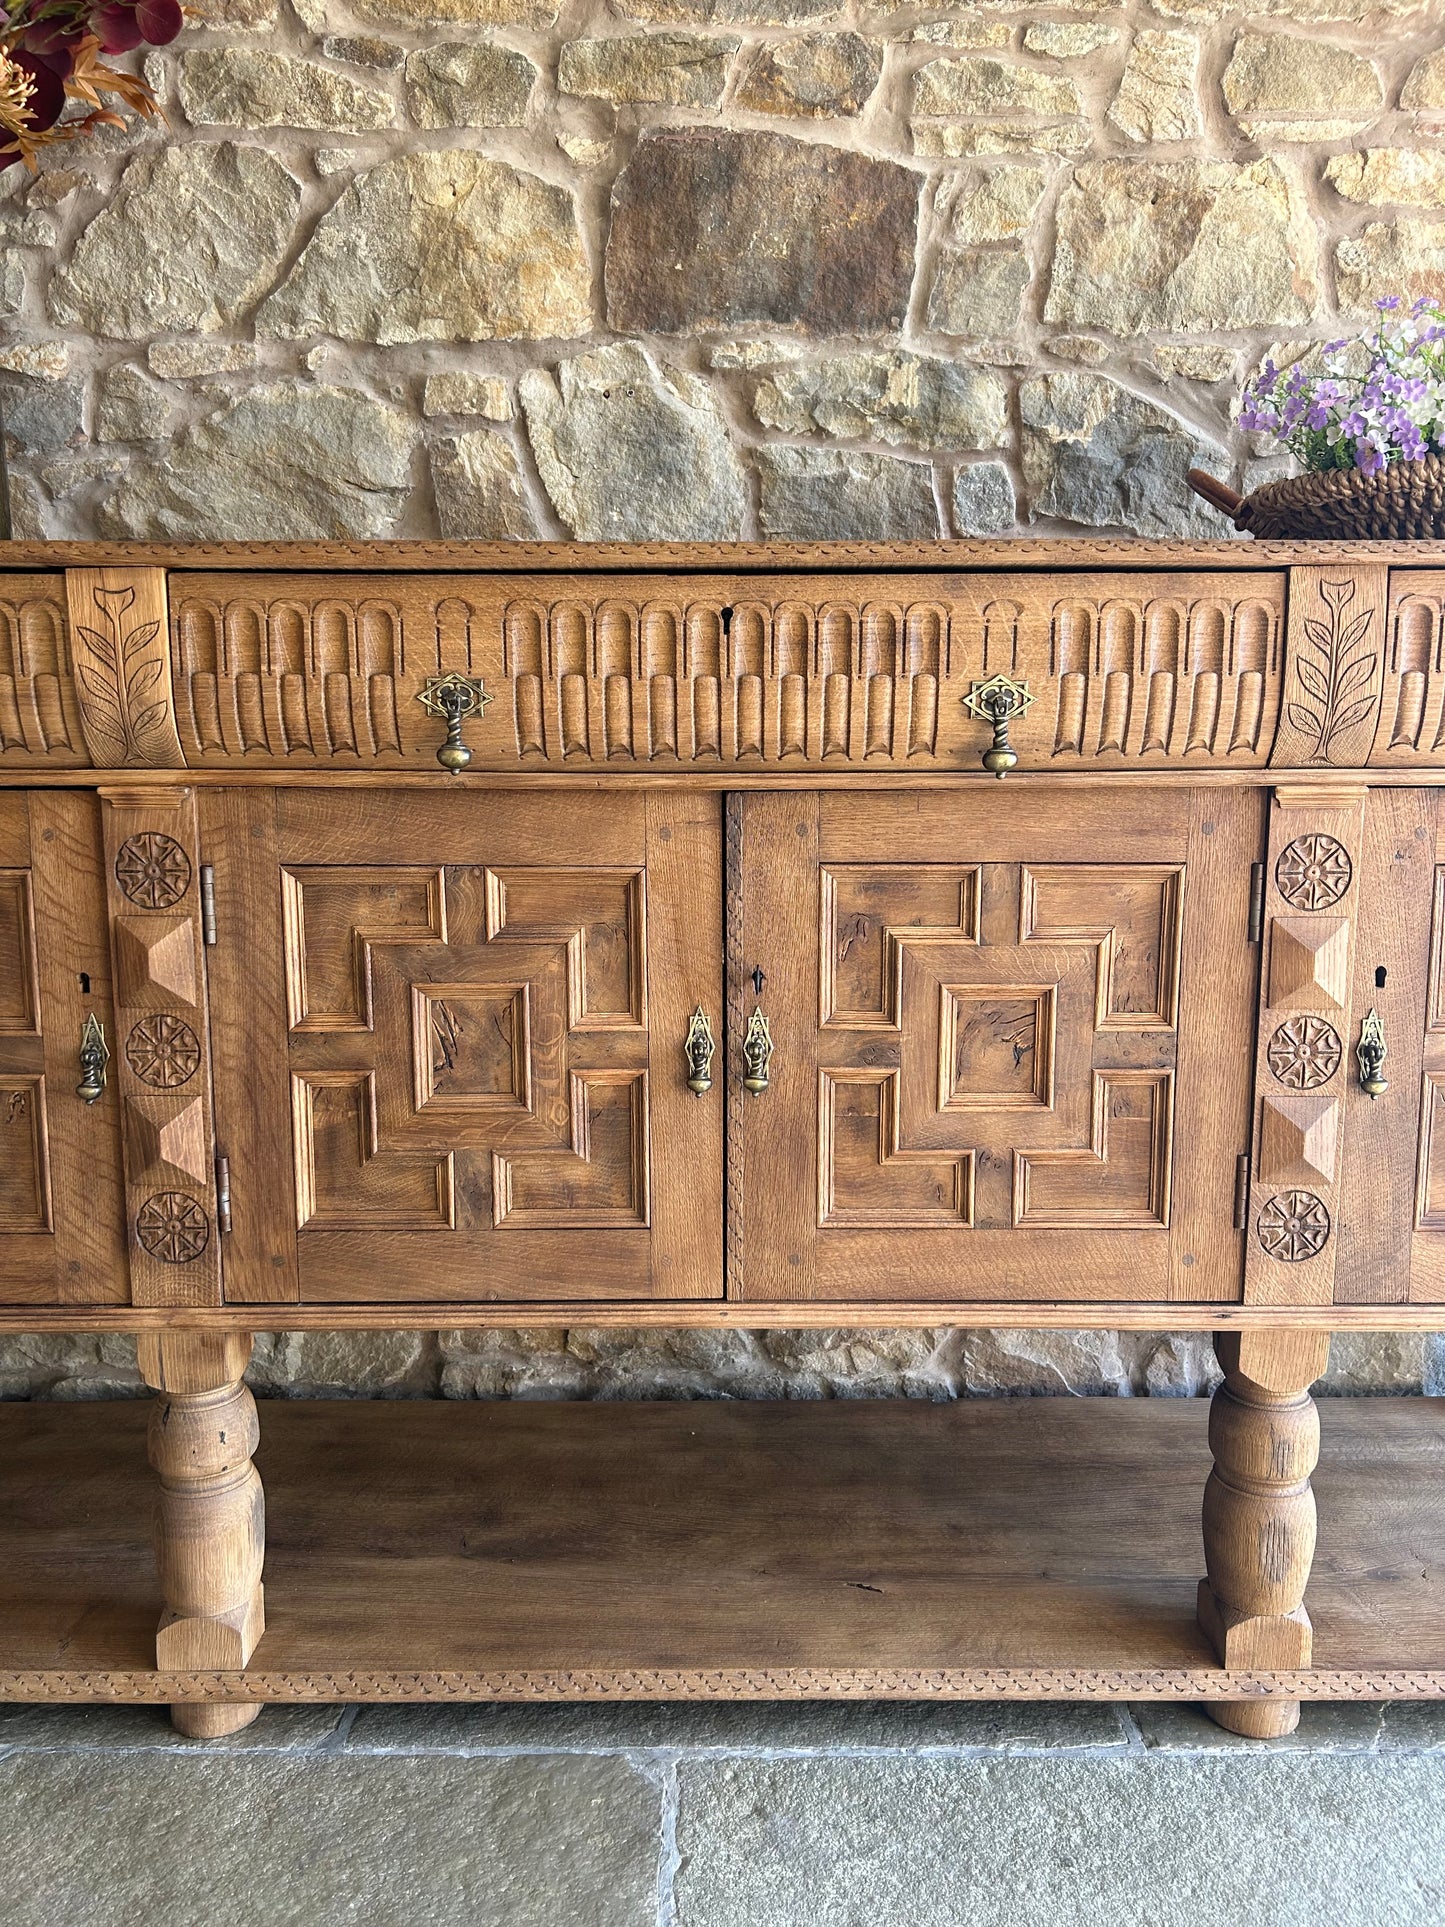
(1010, 1045)
(61, 1202)
(1409, 684)
(454, 1065)
(40, 721)
(1125, 670)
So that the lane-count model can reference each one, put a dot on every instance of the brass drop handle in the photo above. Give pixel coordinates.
(698, 1048)
(996, 702)
(1371, 1052)
(453, 698)
(94, 1056)
(757, 1053)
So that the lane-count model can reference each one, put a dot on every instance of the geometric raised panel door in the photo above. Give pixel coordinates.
(484, 1058)
(999, 1062)
(61, 1211)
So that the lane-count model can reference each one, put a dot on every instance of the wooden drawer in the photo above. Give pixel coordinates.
(1127, 670)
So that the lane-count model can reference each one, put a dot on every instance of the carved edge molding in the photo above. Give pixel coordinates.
(723, 1683)
(121, 654)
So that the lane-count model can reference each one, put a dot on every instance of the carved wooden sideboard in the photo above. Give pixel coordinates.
(439, 935)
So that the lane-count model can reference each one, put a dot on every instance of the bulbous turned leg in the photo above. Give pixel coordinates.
(210, 1516)
(1259, 1516)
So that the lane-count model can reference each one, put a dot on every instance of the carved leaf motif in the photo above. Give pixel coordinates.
(1345, 667)
(120, 670)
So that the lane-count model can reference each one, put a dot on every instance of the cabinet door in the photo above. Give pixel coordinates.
(1012, 1036)
(449, 1044)
(62, 1217)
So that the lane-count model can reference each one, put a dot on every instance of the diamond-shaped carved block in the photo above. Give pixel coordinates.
(167, 1138)
(155, 960)
(472, 1047)
(1309, 962)
(1298, 1139)
(996, 1047)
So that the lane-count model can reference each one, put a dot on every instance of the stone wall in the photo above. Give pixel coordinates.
(599, 1364)
(706, 269)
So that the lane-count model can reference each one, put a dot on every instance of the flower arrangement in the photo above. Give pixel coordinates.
(1364, 403)
(52, 53)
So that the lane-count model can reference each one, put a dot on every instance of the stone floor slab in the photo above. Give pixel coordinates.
(1156, 1840)
(112, 1839)
(730, 1726)
(280, 1729)
(1340, 1726)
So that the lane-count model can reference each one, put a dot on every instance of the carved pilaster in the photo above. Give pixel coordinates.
(160, 1065)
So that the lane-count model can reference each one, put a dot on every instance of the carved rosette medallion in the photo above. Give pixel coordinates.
(1294, 1225)
(1305, 1052)
(173, 1226)
(163, 1051)
(1313, 872)
(153, 870)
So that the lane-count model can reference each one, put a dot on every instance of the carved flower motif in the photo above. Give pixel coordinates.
(173, 1227)
(163, 1051)
(1313, 872)
(153, 870)
(1305, 1052)
(1294, 1225)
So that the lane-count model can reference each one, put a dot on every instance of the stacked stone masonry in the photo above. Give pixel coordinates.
(707, 269)
(703, 269)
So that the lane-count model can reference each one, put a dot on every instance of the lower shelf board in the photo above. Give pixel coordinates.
(1044, 1548)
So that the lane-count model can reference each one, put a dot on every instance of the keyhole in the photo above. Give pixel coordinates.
(85, 983)
(758, 980)
(1380, 974)
(725, 616)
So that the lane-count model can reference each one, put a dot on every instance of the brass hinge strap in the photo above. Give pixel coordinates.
(1241, 1191)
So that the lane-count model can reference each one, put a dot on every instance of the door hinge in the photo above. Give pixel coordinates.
(1256, 902)
(208, 904)
(223, 1192)
(1241, 1191)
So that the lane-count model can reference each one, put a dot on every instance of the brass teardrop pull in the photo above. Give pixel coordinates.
(757, 1052)
(1371, 1053)
(996, 702)
(698, 1048)
(94, 1056)
(453, 698)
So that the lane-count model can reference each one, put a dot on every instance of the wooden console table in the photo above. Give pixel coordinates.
(442, 934)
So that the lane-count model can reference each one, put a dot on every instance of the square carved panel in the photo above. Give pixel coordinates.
(1022, 1083)
(468, 1047)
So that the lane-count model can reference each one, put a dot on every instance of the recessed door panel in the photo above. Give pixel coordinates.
(1010, 1045)
(62, 1213)
(480, 1087)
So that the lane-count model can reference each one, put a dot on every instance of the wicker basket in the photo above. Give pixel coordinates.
(1404, 502)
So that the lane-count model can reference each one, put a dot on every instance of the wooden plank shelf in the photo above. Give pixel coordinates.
(989, 1549)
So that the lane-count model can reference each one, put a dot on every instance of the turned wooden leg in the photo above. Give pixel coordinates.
(1259, 1516)
(210, 1516)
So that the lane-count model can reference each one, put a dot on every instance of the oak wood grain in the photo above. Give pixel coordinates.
(1045, 1546)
